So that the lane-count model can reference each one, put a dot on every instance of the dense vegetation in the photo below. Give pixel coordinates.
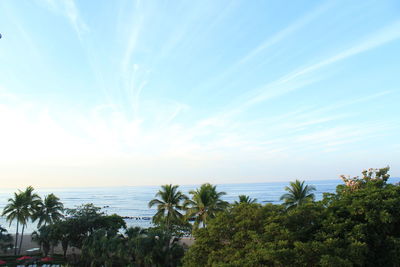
(359, 225)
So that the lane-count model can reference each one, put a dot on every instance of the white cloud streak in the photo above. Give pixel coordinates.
(289, 30)
(69, 9)
(291, 82)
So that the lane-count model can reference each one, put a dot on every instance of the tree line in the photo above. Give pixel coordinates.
(359, 225)
(27, 205)
(105, 238)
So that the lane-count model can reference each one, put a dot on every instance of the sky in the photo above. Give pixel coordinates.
(121, 93)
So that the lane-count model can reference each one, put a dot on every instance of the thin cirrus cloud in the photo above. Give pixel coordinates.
(68, 9)
(291, 81)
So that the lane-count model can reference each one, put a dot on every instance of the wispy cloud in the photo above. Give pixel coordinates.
(286, 32)
(69, 9)
(296, 79)
(338, 136)
(354, 101)
(383, 36)
(268, 43)
(74, 17)
(135, 29)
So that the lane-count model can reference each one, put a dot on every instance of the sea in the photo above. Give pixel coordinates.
(132, 201)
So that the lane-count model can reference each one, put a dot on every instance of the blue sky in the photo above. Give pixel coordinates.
(153, 92)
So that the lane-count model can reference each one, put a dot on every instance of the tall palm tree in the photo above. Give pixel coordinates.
(49, 211)
(205, 204)
(31, 203)
(245, 199)
(169, 205)
(14, 212)
(298, 193)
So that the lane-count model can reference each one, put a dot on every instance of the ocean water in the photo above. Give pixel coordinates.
(133, 201)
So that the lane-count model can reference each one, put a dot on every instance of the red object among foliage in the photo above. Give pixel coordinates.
(24, 258)
(2, 262)
(47, 259)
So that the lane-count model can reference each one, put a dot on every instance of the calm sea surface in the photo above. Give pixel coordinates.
(132, 201)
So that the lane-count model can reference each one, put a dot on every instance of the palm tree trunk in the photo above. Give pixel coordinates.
(53, 246)
(168, 222)
(64, 245)
(16, 239)
(22, 237)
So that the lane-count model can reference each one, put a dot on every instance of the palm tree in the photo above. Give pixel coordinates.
(49, 211)
(169, 205)
(44, 238)
(151, 247)
(133, 250)
(298, 194)
(100, 248)
(245, 199)
(14, 211)
(162, 248)
(205, 204)
(62, 231)
(31, 202)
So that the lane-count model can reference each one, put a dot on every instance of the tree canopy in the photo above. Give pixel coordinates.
(356, 226)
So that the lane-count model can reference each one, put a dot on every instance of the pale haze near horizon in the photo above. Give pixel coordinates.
(114, 93)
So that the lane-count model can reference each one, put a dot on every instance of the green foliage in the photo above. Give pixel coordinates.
(206, 202)
(29, 209)
(64, 232)
(100, 248)
(169, 206)
(298, 194)
(5, 240)
(358, 227)
(45, 237)
(245, 199)
(227, 234)
(138, 247)
(21, 208)
(14, 212)
(48, 211)
(375, 177)
(368, 219)
(85, 211)
(157, 247)
(97, 234)
(86, 219)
